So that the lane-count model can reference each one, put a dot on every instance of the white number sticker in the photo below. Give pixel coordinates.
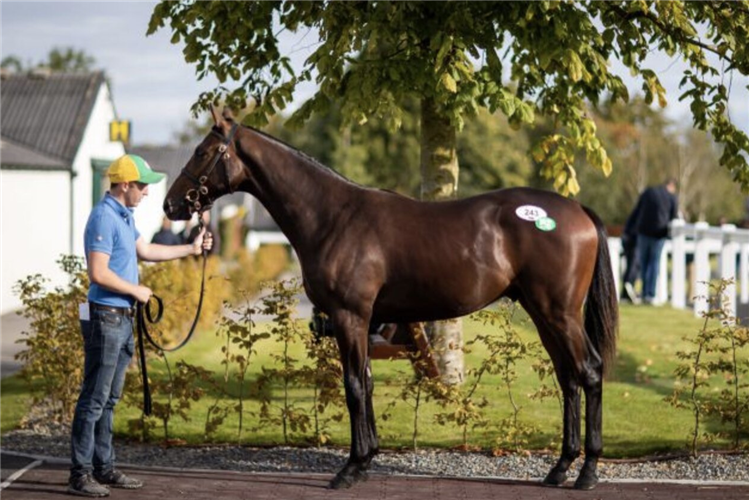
(530, 212)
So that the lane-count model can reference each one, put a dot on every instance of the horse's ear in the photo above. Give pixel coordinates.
(214, 114)
(227, 114)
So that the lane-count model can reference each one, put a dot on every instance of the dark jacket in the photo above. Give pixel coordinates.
(655, 209)
(166, 237)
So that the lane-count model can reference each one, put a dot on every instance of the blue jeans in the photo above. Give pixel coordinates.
(109, 346)
(649, 254)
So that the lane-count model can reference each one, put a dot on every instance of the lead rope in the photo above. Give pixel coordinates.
(145, 316)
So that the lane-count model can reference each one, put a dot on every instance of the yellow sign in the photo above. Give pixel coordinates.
(120, 131)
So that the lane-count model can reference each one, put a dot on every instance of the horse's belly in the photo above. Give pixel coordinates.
(453, 297)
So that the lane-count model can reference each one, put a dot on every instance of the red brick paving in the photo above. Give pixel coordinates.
(48, 482)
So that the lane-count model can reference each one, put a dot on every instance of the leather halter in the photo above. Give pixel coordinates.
(193, 195)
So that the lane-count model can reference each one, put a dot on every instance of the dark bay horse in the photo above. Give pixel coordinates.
(369, 255)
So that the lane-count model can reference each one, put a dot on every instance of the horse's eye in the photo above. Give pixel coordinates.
(199, 152)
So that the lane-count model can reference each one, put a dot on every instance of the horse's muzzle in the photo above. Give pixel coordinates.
(173, 212)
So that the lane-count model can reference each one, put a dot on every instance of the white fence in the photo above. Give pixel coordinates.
(697, 242)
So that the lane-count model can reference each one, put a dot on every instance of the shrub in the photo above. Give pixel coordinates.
(177, 282)
(54, 346)
(239, 328)
(281, 304)
(719, 349)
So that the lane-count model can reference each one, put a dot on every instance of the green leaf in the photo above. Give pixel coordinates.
(448, 82)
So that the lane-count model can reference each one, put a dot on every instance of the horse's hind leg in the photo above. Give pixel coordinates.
(563, 337)
(592, 382)
(577, 365)
(351, 334)
(571, 428)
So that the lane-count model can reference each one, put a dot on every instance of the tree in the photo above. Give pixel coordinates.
(12, 63)
(374, 56)
(647, 148)
(69, 60)
(66, 59)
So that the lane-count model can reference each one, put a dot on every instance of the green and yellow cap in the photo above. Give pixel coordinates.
(130, 168)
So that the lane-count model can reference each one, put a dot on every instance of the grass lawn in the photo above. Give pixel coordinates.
(637, 421)
(14, 403)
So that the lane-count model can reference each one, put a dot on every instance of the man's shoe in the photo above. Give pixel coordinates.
(629, 291)
(87, 486)
(117, 479)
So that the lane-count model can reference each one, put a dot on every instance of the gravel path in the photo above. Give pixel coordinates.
(707, 467)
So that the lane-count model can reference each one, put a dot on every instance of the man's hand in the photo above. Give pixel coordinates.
(142, 293)
(203, 241)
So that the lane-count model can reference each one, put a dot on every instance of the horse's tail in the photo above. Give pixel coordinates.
(602, 306)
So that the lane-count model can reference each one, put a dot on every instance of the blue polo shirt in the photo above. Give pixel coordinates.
(111, 230)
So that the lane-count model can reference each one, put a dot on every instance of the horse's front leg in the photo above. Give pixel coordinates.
(351, 333)
(374, 445)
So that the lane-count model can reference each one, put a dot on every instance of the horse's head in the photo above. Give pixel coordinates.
(213, 171)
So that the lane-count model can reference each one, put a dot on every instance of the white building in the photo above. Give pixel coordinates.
(54, 151)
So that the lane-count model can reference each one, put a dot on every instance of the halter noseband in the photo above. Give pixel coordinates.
(193, 195)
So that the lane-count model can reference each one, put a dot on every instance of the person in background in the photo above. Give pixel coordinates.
(655, 209)
(112, 248)
(165, 236)
(632, 266)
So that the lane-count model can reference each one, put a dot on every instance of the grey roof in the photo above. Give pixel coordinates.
(48, 113)
(15, 155)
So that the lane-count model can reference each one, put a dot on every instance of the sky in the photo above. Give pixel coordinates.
(154, 88)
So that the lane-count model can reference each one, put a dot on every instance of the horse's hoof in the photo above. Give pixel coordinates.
(555, 478)
(586, 481)
(343, 481)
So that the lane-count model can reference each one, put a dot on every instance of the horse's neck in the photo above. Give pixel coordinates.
(302, 197)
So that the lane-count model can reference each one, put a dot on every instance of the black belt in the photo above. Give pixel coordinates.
(122, 311)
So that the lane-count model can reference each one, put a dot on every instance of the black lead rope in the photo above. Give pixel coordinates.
(146, 316)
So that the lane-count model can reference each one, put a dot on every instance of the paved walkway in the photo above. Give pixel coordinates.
(46, 480)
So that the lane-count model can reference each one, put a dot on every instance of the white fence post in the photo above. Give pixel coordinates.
(615, 250)
(661, 285)
(744, 273)
(701, 269)
(728, 266)
(678, 264)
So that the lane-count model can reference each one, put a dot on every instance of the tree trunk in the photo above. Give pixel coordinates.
(439, 181)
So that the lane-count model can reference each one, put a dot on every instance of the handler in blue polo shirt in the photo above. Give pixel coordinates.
(113, 246)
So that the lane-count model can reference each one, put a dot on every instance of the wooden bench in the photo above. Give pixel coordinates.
(392, 341)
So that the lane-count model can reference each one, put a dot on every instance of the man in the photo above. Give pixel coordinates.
(632, 269)
(656, 207)
(165, 236)
(113, 246)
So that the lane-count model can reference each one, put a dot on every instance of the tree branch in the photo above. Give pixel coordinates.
(628, 16)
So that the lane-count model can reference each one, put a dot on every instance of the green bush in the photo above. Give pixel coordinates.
(52, 360)
(717, 352)
(177, 282)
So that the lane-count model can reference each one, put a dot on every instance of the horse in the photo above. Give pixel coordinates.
(370, 255)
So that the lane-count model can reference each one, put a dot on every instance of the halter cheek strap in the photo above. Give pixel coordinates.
(193, 195)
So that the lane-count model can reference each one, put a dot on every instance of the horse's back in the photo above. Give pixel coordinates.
(464, 254)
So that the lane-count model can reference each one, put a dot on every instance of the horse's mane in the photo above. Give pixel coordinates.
(303, 156)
